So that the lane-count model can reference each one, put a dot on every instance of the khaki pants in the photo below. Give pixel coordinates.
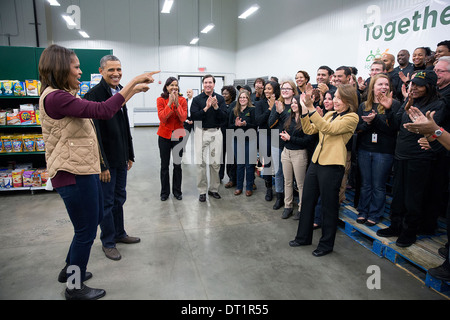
(208, 149)
(294, 164)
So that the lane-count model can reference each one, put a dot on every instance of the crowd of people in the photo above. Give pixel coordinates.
(312, 139)
(320, 138)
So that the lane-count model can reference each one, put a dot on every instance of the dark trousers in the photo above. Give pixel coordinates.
(326, 182)
(411, 178)
(166, 148)
(84, 204)
(114, 197)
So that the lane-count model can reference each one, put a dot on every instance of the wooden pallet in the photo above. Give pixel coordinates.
(416, 259)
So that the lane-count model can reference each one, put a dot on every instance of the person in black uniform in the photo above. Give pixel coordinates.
(115, 142)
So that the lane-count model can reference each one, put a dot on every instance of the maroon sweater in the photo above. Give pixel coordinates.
(60, 104)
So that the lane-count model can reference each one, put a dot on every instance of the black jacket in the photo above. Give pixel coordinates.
(114, 135)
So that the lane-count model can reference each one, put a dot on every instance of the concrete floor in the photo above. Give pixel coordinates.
(233, 248)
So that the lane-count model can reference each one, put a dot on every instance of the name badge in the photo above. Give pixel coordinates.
(374, 138)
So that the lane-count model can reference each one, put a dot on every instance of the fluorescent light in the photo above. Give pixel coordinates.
(69, 20)
(84, 34)
(195, 40)
(249, 12)
(54, 3)
(208, 28)
(167, 6)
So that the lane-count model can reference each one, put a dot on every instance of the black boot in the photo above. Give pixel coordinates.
(279, 202)
(85, 293)
(269, 192)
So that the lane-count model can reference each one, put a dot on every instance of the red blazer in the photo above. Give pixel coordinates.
(171, 118)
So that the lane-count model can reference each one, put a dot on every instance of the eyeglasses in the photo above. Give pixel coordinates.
(440, 71)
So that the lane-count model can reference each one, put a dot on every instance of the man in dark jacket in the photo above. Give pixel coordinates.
(115, 142)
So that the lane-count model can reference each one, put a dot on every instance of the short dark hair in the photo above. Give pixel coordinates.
(209, 76)
(231, 90)
(259, 80)
(347, 70)
(107, 58)
(330, 71)
(444, 43)
(427, 50)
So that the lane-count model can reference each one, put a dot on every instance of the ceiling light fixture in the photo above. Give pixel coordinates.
(249, 11)
(167, 6)
(54, 3)
(84, 34)
(195, 40)
(208, 28)
(69, 20)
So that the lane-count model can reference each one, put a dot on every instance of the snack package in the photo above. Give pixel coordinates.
(40, 145)
(44, 176)
(7, 88)
(32, 87)
(27, 178)
(27, 117)
(2, 117)
(19, 89)
(6, 180)
(7, 143)
(95, 79)
(38, 119)
(36, 179)
(17, 143)
(84, 88)
(29, 143)
(12, 118)
(17, 178)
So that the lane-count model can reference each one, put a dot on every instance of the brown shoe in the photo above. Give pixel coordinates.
(248, 193)
(112, 253)
(129, 240)
(230, 184)
(237, 192)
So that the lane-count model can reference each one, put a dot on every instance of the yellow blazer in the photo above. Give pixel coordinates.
(333, 136)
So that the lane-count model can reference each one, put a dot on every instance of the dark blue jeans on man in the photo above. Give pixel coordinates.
(245, 167)
(375, 169)
(114, 197)
(84, 204)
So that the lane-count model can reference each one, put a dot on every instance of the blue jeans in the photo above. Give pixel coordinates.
(374, 168)
(245, 168)
(84, 204)
(114, 196)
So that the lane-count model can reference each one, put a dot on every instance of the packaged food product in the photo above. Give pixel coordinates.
(17, 143)
(12, 118)
(27, 117)
(27, 178)
(36, 179)
(19, 89)
(7, 87)
(44, 176)
(29, 143)
(2, 117)
(38, 119)
(40, 145)
(7, 143)
(84, 88)
(6, 178)
(95, 79)
(32, 87)
(17, 178)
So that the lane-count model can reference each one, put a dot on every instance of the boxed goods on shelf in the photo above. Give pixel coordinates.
(20, 88)
(23, 178)
(15, 143)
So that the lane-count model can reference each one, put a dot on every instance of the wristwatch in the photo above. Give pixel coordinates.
(437, 133)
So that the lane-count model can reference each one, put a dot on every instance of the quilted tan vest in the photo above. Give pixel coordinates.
(70, 143)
